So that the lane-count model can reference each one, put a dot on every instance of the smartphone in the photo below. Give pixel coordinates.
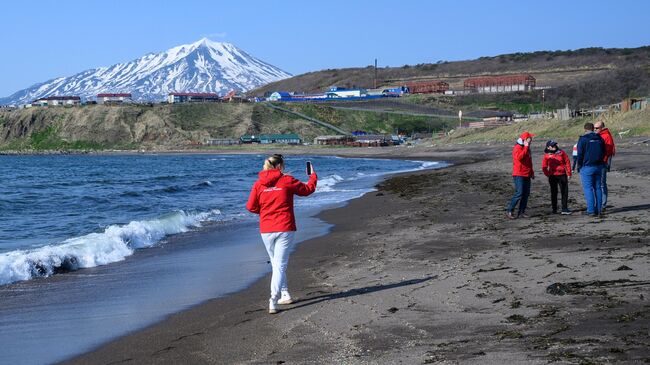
(310, 170)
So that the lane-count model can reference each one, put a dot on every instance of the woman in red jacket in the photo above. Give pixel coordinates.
(522, 173)
(557, 168)
(272, 198)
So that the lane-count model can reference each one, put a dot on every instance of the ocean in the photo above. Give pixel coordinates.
(95, 246)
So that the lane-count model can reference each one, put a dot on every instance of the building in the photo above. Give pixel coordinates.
(333, 140)
(494, 119)
(372, 140)
(114, 98)
(290, 138)
(222, 141)
(338, 92)
(427, 87)
(57, 101)
(499, 84)
(249, 138)
(279, 95)
(184, 97)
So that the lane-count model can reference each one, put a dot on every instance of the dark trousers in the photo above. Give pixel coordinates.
(563, 183)
(522, 191)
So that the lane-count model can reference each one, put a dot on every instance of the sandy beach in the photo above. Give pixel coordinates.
(428, 270)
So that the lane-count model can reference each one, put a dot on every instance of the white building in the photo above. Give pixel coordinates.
(57, 101)
(114, 98)
(338, 92)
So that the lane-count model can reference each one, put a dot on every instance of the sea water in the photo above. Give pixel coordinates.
(93, 247)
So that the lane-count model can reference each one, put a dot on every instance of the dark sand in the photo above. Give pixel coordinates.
(428, 270)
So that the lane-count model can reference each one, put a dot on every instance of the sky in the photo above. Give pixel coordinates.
(44, 39)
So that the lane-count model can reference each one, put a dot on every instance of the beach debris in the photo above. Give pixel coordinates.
(576, 287)
(629, 317)
(498, 300)
(517, 318)
(558, 289)
(561, 265)
(508, 334)
(623, 268)
(392, 309)
(515, 304)
(494, 269)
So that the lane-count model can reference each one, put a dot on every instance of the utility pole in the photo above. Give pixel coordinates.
(375, 81)
(460, 119)
(543, 109)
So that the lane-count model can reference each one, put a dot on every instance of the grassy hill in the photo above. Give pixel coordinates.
(98, 127)
(633, 123)
(581, 78)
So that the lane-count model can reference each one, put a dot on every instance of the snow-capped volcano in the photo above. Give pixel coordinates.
(203, 66)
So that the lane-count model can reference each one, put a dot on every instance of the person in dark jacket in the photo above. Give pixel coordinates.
(272, 198)
(557, 167)
(522, 173)
(591, 154)
(610, 151)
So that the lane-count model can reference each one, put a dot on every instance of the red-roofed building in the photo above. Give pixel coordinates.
(114, 98)
(183, 97)
(500, 84)
(57, 100)
(427, 87)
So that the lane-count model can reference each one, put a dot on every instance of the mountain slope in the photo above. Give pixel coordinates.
(573, 75)
(203, 66)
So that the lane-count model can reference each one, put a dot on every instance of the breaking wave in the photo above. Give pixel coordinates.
(114, 244)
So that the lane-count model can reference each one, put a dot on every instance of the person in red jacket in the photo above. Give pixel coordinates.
(522, 173)
(557, 167)
(272, 198)
(610, 151)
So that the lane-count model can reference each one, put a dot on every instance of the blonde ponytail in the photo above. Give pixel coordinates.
(273, 162)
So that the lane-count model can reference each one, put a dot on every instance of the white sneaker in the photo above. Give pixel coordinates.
(273, 309)
(285, 298)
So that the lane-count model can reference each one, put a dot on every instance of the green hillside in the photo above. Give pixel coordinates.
(99, 127)
(633, 123)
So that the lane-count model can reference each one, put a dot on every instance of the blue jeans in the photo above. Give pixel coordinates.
(522, 191)
(591, 177)
(603, 180)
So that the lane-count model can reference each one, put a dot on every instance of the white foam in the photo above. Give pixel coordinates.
(95, 249)
(327, 184)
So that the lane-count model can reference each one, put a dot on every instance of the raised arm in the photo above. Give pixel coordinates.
(303, 189)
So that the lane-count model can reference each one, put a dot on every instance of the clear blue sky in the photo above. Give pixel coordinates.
(44, 39)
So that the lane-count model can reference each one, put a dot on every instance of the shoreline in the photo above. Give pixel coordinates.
(372, 289)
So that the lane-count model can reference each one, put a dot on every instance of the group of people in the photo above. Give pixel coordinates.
(592, 159)
(272, 194)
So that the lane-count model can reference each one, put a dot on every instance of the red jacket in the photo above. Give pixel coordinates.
(272, 198)
(522, 163)
(610, 148)
(556, 163)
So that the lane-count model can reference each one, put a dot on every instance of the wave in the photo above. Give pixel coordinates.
(95, 249)
(327, 184)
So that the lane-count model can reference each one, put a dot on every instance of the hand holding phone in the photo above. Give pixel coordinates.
(310, 168)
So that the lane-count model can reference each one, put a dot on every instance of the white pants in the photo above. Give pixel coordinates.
(278, 245)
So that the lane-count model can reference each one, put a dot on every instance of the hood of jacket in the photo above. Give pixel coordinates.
(591, 135)
(605, 131)
(520, 141)
(269, 177)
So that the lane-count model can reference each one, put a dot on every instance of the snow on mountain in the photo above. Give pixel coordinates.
(203, 66)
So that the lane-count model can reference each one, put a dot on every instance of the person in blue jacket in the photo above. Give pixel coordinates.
(591, 153)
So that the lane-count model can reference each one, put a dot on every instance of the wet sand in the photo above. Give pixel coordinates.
(428, 270)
